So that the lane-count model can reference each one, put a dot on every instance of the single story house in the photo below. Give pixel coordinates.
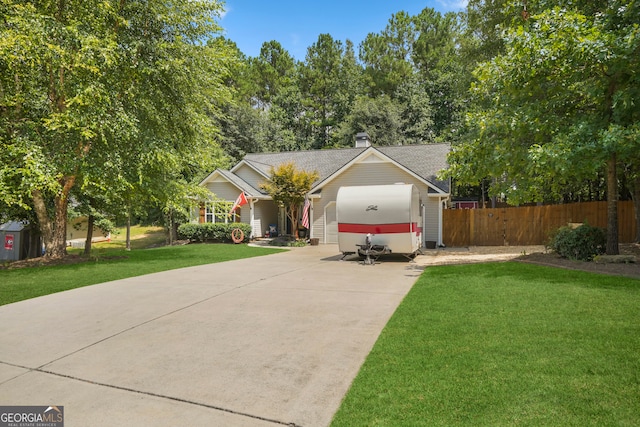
(362, 165)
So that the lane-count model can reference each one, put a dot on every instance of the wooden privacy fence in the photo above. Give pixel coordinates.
(529, 225)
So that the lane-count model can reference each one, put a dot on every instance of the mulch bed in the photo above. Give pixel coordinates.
(625, 269)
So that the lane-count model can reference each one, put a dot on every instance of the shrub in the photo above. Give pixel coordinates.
(288, 241)
(212, 232)
(189, 232)
(581, 243)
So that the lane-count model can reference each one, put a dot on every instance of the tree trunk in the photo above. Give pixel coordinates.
(612, 207)
(127, 245)
(636, 206)
(169, 223)
(87, 243)
(293, 217)
(54, 230)
(174, 230)
(40, 208)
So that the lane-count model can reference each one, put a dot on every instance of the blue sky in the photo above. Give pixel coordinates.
(296, 24)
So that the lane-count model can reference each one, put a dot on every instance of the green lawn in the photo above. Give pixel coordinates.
(504, 344)
(115, 263)
(141, 238)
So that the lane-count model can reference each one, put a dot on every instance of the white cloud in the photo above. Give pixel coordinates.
(453, 4)
(225, 9)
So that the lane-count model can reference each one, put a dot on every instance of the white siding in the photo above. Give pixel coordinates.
(432, 213)
(257, 230)
(224, 190)
(250, 176)
(316, 219)
(245, 214)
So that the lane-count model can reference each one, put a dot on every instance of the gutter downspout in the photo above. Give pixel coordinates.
(310, 219)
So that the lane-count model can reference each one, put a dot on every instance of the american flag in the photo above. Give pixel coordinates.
(305, 213)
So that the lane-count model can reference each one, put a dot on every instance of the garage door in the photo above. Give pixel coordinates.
(331, 223)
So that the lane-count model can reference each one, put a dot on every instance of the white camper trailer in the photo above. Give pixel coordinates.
(388, 214)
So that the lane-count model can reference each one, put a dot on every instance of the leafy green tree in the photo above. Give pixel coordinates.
(388, 56)
(380, 117)
(245, 129)
(288, 187)
(324, 84)
(416, 58)
(403, 119)
(437, 40)
(275, 136)
(55, 105)
(416, 112)
(266, 112)
(274, 70)
(239, 76)
(445, 74)
(288, 118)
(240, 126)
(351, 82)
(485, 21)
(90, 85)
(558, 106)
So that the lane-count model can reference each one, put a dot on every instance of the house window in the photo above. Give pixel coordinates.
(218, 212)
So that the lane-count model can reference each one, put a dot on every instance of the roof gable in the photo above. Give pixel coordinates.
(221, 175)
(261, 169)
(413, 159)
(371, 156)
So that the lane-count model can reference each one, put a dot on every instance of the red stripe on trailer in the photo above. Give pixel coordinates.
(405, 227)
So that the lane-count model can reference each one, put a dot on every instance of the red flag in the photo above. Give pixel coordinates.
(240, 201)
(305, 213)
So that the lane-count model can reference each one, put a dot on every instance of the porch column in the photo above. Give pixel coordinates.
(252, 217)
(440, 219)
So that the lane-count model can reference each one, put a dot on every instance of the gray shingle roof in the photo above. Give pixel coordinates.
(240, 183)
(325, 162)
(426, 160)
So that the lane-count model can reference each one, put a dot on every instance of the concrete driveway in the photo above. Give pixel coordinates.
(273, 340)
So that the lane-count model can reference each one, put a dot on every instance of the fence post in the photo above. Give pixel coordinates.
(472, 227)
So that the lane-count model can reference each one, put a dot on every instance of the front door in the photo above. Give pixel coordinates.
(330, 224)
